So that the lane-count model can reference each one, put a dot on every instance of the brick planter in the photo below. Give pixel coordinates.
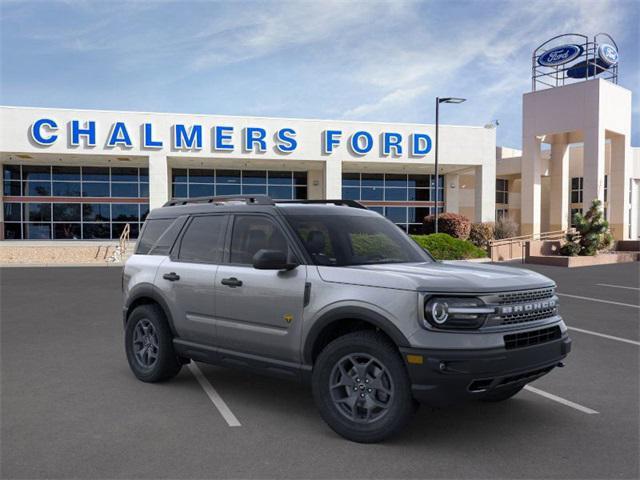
(601, 259)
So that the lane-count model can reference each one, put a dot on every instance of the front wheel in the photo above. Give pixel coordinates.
(361, 387)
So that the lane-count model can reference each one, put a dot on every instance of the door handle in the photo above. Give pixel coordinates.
(172, 277)
(231, 282)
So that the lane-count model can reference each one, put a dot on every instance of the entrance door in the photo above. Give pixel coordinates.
(188, 278)
(259, 311)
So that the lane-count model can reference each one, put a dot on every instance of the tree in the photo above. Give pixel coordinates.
(591, 235)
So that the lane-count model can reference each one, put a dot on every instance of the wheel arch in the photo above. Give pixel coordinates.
(147, 294)
(342, 320)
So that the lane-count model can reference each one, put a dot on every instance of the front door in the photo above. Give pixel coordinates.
(188, 278)
(259, 312)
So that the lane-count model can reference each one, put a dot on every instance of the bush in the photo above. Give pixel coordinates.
(592, 233)
(445, 247)
(458, 226)
(505, 228)
(482, 233)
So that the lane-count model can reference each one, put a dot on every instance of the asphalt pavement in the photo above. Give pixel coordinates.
(70, 407)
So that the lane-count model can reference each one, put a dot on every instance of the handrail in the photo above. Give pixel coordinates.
(123, 242)
(534, 236)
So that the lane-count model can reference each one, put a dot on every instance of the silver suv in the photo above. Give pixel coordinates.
(334, 294)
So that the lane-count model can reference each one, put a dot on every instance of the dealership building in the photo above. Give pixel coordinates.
(85, 174)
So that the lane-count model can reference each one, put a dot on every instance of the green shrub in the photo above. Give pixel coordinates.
(481, 234)
(445, 247)
(592, 233)
(454, 224)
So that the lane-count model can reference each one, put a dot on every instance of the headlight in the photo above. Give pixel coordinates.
(456, 312)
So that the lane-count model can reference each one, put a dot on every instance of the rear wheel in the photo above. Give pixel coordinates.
(149, 345)
(361, 387)
(502, 394)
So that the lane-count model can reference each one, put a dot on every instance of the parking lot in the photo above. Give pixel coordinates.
(71, 407)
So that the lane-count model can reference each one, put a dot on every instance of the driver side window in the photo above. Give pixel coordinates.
(252, 233)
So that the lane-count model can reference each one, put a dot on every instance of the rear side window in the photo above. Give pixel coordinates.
(203, 240)
(153, 229)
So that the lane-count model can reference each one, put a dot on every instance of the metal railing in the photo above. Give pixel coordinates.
(119, 254)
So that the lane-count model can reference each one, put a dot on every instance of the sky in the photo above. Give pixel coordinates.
(344, 60)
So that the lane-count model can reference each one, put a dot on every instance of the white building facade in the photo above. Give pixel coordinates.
(84, 174)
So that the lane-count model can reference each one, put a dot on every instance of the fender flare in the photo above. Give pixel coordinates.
(147, 290)
(356, 313)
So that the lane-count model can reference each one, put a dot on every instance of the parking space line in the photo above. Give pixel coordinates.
(561, 400)
(598, 300)
(604, 335)
(616, 286)
(213, 395)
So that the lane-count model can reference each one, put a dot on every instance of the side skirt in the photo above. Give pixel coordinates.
(244, 361)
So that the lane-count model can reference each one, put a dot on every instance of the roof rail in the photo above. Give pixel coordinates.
(346, 203)
(248, 199)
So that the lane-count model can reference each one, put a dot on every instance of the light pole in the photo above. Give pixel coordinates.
(438, 102)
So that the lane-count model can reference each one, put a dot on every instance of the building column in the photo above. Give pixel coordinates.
(593, 167)
(531, 186)
(618, 188)
(452, 195)
(559, 194)
(332, 179)
(485, 192)
(158, 180)
(314, 184)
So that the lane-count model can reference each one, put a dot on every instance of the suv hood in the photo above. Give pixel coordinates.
(458, 277)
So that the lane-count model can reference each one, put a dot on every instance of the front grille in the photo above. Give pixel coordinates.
(534, 337)
(528, 317)
(525, 296)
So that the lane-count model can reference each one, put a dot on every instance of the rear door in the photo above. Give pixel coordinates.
(259, 311)
(187, 278)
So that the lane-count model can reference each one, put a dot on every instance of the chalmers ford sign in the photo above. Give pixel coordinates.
(221, 138)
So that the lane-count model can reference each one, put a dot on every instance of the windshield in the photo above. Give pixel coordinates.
(344, 240)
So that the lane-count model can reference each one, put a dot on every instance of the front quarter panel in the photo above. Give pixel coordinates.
(397, 309)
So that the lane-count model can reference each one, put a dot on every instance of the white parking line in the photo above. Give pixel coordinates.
(598, 300)
(561, 400)
(616, 286)
(603, 335)
(213, 395)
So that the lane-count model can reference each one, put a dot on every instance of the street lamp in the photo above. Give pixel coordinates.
(438, 102)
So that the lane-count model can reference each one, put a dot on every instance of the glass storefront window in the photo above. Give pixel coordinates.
(58, 218)
(280, 185)
(400, 188)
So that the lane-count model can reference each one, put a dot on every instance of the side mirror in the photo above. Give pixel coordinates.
(272, 260)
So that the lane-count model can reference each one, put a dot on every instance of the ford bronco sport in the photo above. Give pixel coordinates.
(334, 294)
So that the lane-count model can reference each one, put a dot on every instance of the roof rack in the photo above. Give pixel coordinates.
(257, 200)
(248, 199)
(346, 203)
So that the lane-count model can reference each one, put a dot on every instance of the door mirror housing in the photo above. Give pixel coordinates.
(272, 260)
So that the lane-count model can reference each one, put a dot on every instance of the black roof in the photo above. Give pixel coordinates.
(258, 203)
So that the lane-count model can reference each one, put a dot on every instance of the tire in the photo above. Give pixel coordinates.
(369, 409)
(147, 331)
(502, 394)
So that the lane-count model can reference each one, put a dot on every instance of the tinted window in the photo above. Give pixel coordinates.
(203, 240)
(343, 240)
(163, 245)
(151, 232)
(253, 233)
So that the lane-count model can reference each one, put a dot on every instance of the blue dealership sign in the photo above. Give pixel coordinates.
(608, 54)
(560, 55)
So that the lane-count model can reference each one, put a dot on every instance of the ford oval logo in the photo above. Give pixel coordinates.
(560, 55)
(608, 54)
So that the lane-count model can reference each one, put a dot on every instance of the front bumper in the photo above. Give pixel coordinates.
(451, 376)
